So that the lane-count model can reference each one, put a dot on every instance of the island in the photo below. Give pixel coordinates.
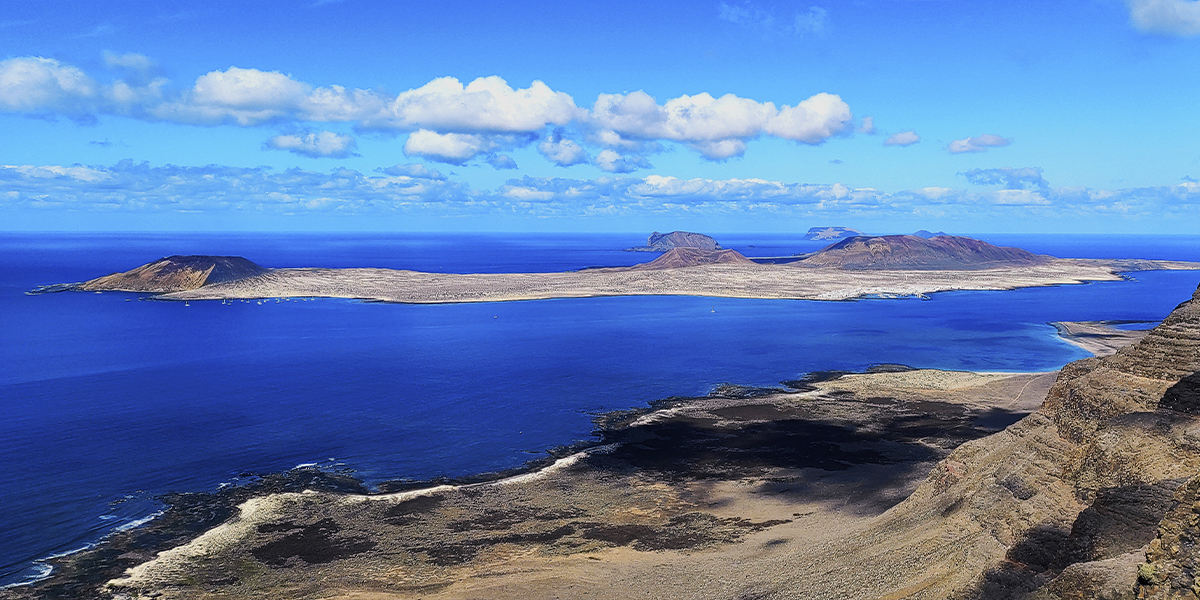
(823, 234)
(663, 242)
(857, 267)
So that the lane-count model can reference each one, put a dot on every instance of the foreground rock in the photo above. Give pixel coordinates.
(176, 273)
(663, 242)
(697, 485)
(915, 252)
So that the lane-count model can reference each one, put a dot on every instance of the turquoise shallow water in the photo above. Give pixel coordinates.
(105, 403)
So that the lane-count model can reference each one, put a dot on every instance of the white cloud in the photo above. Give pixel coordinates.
(978, 144)
(868, 126)
(562, 151)
(131, 60)
(487, 104)
(904, 138)
(322, 144)
(448, 121)
(1166, 17)
(44, 85)
(451, 148)
(613, 162)
(717, 127)
(812, 121)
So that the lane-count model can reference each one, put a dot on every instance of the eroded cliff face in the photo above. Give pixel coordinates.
(1072, 501)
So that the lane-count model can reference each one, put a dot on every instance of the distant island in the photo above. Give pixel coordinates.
(928, 234)
(916, 252)
(821, 234)
(857, 267)
(664, 242)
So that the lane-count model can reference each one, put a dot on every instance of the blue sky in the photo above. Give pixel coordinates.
(885, 115)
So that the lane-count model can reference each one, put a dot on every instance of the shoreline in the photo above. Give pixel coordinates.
(85, 566)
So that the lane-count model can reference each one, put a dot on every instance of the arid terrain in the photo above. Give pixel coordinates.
(714, 280)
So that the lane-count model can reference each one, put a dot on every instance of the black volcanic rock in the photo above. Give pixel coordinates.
(663, 242)
(912, 252)
(176, 273)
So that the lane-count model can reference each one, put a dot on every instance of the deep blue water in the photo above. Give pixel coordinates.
(105, 403)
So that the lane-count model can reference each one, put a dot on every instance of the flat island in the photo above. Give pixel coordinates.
(856, 267)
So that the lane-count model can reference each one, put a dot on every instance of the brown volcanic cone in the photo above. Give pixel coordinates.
(175, 274)
(913, 252)
(676, 258)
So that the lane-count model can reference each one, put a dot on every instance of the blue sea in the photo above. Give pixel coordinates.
(107, 401)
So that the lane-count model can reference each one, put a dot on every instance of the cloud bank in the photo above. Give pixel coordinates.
(138, 188)
(446, 120)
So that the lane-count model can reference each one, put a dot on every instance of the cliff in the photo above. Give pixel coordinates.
(176, 273)
(945, 252)
(663, 242)
(1091, 496)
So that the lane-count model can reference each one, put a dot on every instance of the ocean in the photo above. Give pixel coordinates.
(107, 401)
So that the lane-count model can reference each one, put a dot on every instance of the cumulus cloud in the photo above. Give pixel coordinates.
(1025, 178)
(978, 144)
(43, 85)
(321, 144)
(1166, 17)
(446, 120)
(487, 104)
(451, 148)
(904, 138)
(718, 127)
(613, 162)
(562, 151)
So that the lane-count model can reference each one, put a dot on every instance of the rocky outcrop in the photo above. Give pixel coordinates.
(821, 234)
(663, 242)
(912, 252)
(176, 273)
(1091, 496)
(691, 257)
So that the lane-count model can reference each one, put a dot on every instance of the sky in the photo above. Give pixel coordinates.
(1007, 116)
